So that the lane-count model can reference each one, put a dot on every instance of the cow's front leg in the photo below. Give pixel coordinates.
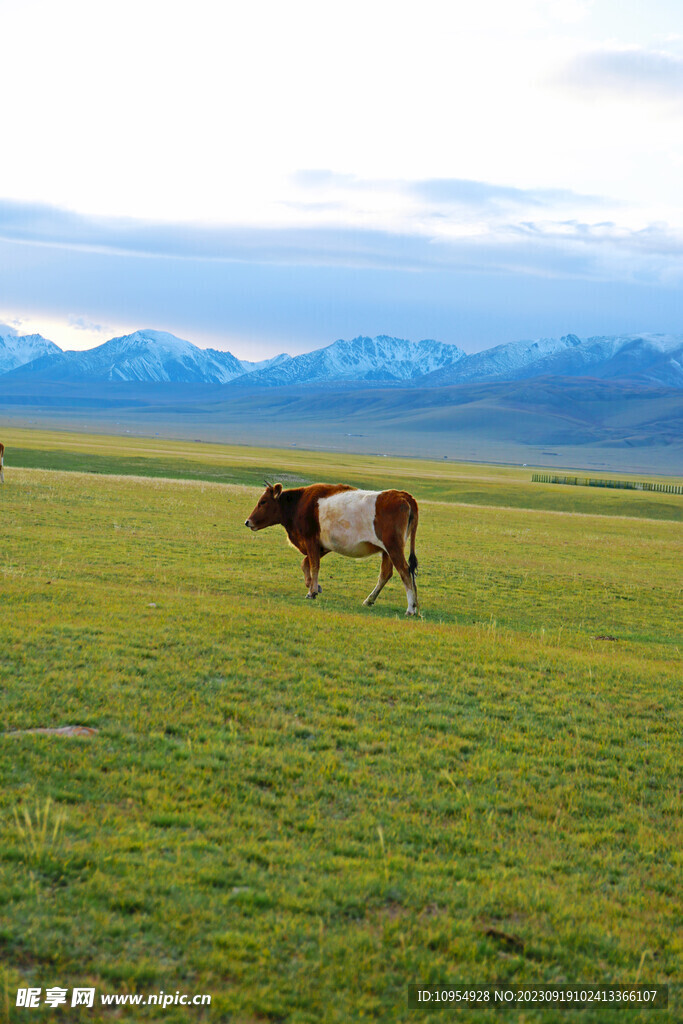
(313, 559)
(306, 569)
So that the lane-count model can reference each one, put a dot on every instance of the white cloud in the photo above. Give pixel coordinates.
(203, 112)
(177, 129)
(69, 331)
(628, 73)
(82, 323)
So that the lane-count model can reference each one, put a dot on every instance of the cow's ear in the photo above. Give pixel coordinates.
(277, 490)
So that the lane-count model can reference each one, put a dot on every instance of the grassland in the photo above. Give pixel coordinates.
(301, 807)
(502, 486)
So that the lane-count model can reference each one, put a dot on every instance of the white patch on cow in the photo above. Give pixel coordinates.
(347, 523)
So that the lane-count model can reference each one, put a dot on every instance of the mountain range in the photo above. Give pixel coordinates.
(145, 356)
(156, 356)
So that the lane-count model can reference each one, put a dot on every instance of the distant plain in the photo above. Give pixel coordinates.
(546, 422)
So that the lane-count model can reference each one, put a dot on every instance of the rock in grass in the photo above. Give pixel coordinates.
(64, 730)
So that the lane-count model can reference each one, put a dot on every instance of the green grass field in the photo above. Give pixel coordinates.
(302, 807)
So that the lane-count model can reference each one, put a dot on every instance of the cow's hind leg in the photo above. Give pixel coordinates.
(306, 569)
(395, 549)
(385, 573)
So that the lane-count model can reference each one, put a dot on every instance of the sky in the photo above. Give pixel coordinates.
(271, 177)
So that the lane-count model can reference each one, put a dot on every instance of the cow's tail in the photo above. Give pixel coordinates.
(412, 530)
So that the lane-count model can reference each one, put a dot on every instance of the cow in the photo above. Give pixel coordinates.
(2, 463)
(335, 517)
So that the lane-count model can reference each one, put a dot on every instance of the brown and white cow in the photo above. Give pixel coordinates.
(2, 463)
(335, 517)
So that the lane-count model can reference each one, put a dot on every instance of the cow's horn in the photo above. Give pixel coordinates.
(268, 484)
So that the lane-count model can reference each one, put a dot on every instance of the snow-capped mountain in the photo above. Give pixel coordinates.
(150, 356)
(154, 356)
(363, 359)
(16, 350)
(651, 358)
(250, 367)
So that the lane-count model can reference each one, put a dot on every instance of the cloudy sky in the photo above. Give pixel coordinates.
(273, 176)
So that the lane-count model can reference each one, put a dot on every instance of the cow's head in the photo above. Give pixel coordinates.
(267, 511)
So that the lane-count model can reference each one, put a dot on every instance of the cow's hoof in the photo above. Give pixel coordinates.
(320, 589)
(368, 603)
(311, 597)
(412, 611)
